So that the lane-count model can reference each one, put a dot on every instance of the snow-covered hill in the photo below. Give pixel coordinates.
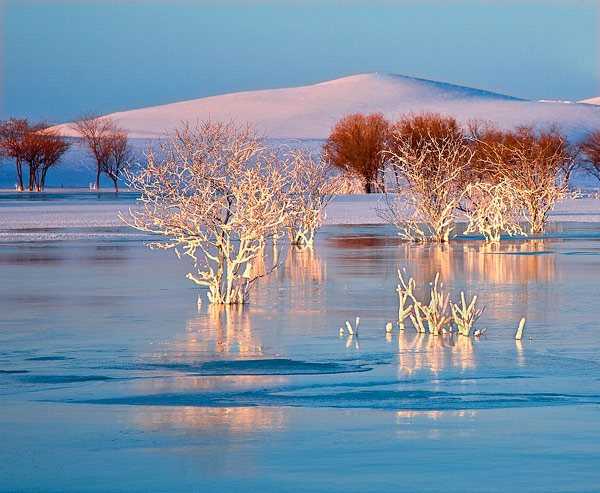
(595, 101)
(309, 112)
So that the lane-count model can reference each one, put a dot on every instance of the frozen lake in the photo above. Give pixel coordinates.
(111, 378)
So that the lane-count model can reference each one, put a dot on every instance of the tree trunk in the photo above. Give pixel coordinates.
(20, 174)
(98, 179)
(42, 180)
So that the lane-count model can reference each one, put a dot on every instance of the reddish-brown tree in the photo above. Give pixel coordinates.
(36, 145)
(356, 146)
(119, 157)
(53, 148)
(106, 143)
(590, 150)
(11, 143)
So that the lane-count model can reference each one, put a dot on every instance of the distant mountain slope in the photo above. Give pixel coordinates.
(309, 112)
(592, 101)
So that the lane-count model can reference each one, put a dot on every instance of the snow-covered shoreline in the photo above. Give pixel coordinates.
(80, 209)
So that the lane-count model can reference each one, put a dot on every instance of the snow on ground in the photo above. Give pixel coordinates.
(69, 218)
(362, 209)
(309, 112)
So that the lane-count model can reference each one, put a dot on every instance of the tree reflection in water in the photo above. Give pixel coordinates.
(422, 351)
(503, 272)
(227, 329)
(199, 420)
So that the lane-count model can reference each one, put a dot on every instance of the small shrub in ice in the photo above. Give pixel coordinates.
(435, 317)
(464, 315)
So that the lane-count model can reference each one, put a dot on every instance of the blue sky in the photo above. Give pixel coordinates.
(61, 58)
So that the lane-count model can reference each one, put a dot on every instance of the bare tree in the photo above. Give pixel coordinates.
(590, 149)
(536, 164)
(106, 143)
(53, 148)
(215, 192)
(356, 145)
(430, 154)
(11, 143)
(119, 157)
(312, 187)
(36, 145)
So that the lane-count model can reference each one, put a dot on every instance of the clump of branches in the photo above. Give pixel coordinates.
(435, 313)
(216, 192)
(312, 186)
(355, 146)
(590, 150)
(430, 156)
(492, 209)
(535, 164)
(405, 293)
(465, 315)
(107, 143)
(434, 316)
(35, 145)
(352, 183)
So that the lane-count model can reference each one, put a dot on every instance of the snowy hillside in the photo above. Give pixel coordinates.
(595, 101)
(309, 112)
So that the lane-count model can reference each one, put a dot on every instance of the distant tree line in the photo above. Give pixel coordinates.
(37, 147)
(496, 178)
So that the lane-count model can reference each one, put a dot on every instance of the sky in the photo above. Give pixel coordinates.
(62, 58)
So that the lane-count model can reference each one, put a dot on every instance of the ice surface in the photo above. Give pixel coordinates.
(112, 379)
